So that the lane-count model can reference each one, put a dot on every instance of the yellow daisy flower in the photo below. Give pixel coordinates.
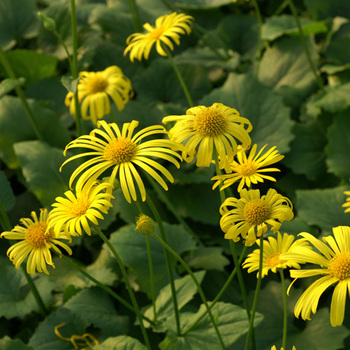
(347, 203)
(120, 150)
(333, 258)
(36, 241)
(251, 214)
(248, 169)
(208, 127)
(73, 213)
(273, 248)
(166, 27)
(94, 90)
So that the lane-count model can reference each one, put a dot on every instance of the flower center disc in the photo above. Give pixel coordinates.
(274, 260)
(256, 211)
(340, 266)
(96, 84)
(120, 151)
(247, 169)
(156, 33)
(80, 208)
(35, 235)
(209, 123)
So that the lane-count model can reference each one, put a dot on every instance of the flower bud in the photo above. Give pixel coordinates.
(145, 225)
(48, 22)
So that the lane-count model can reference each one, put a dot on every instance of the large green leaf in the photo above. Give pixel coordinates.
(17, 21)
(232, 322)
(7, 198)
(16, 299)
(321, 9)
(323, 207)
(338, 159)
(201, 4)
(7, 343)
(132, 248)
(185, 290)
(95, 307)
(338, 50)
(123, 342)
(265, 110)
(285, 68)
(209, 258)
(40, 165)
(8, 85)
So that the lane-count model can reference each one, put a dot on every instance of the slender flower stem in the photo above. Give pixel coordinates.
(179, 76)
(127, 282)
(6, 224)
(199, 288)
(260, 47)
(218, 296)
(75, 64)
(306, 49)
(136, 20)
(168, 263)
(285, 310)
(256, 296)
(101, 285)
(9, 71)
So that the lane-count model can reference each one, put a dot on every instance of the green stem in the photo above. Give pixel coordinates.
(199, 288)
(168, 263)
(9, 71)
(6, 224)
(285, 310)
(136, 20)
(101, 285)
(260, 47)
(164, 198)
(306, 49)
(127, 282)
(75, 64)
(218, 296)
(179, 76)
(256, 296)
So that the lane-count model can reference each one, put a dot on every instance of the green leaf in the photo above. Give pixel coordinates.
(185, 290)
(338, 50)
(95, 307)
(7, 198)
(123, 342)
(40, 165)
(15, 127)
(320, 9)
(307, 154)
(7, 85)
(265, 110)
(189, 173)
(277, 26)
(6, 343)
(339, 144)
(322, 207)
(209, 258)
(286, 65)
(16, 299)
(232, 323)
(70, 84)
(201, 4)
(167, 88)
(45, 338)
(17, 21)
(131, 246)
(32, 65)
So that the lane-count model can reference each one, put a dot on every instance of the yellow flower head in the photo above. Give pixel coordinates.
(73, 213)
(274, 348)
(333, 259)
(36, 241)
(94, 90)
(273, 248)
(167, 27)
(251, 214)
(208, 127)
(347, 203)
(249, 169)
(124, 153)
(145, 225)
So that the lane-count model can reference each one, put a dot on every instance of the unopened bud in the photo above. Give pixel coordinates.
(145, 225)
(48, 22)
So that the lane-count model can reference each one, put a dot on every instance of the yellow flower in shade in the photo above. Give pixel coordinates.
(273, 248)
(207, 128)
(73, 213)
(333, 257)
(347, 203)
(35, 242)
(249, 169)
(94, 90)
(168, 27)
(251, 214)
(124, 153)
(274, 348)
